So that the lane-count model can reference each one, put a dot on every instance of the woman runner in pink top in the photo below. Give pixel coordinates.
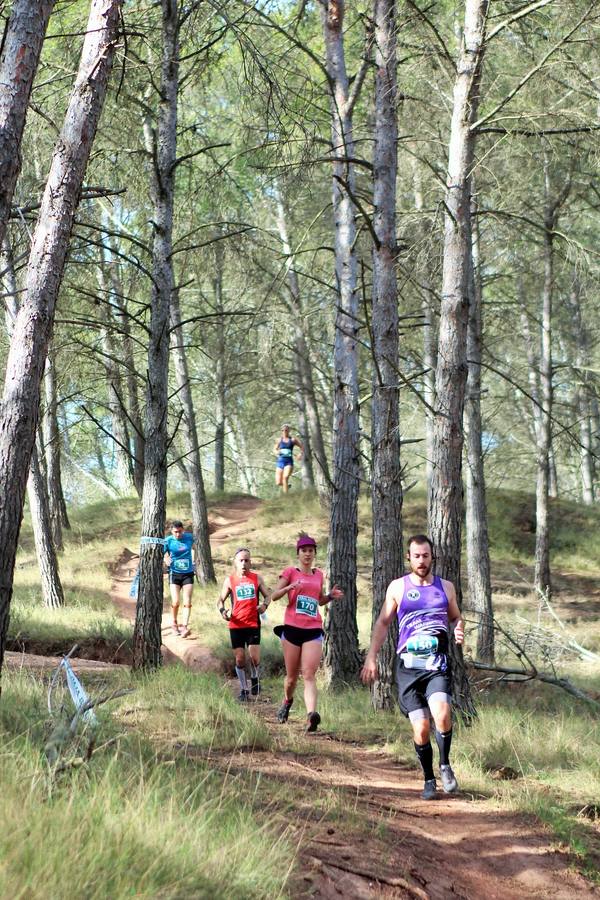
(302, 630)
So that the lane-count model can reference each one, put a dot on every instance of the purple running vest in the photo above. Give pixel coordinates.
(423, 610)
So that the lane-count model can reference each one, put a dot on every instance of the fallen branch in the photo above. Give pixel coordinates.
(532, 674)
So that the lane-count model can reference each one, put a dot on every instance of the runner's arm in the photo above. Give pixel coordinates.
(262, 589)
(454, 617)
(334, 594)
(380, 629)
(300, 447)
(224, 594)
(283, 586)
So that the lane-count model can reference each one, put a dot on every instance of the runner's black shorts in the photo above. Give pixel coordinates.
(181, 578)
(415, 687)
(244, 637)
(298, 636)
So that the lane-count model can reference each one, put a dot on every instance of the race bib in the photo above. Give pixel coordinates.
(306, 606)
(285, 452)
(181, 565)
(422, 644)
(245, 592)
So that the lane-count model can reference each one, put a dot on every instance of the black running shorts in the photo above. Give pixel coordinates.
(298, 636)
(244, 637)
(181, 578)
(415, 687)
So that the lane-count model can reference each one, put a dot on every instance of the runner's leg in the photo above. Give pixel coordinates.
(278, 476)
(291, 656)
(287, 471)
(310, 659)
(175, 595)
(254, 654)
(187, 605)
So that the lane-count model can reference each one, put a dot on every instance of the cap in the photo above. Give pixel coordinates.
(305, 540)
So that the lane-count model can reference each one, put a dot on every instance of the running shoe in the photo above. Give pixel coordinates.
(255, 689)
(429, 789)
(284, 711)
(244, 696)
(184, 631)
(313, 721)
(449, 782)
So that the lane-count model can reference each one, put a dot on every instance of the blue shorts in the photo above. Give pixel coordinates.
(283, 461)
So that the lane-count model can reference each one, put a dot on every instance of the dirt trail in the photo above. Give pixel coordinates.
(407, 847)
(404, 847)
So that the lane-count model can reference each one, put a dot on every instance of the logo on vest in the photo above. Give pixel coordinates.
(413, 594)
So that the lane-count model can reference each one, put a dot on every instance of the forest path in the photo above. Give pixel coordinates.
(226, 520)
(385, 841)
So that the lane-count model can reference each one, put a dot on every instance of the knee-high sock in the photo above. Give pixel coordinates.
(444, 739)
(241, 674)
(254, 670)
(425, 754)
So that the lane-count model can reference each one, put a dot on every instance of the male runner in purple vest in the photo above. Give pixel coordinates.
(426, 607)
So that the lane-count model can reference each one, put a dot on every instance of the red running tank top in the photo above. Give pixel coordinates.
(244, 593)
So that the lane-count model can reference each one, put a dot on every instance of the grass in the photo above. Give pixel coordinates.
(144, 817)
(164, 792)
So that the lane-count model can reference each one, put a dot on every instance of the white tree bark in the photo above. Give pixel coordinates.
(147, 632)
(192, 461)
(303, 361)
(446, 510)
(20, 402)
(342, 658)
(478, 551)
(386, 485)
(21, 48)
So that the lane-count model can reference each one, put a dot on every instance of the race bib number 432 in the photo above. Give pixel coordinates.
(306, 606)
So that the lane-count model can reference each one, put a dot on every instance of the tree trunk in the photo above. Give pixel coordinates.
(192, 462)
(386, 485)
(240, 451)
(131, 378)
(451, 374)
(583, 406)
(306, 466)
(52, 591)
(544, 440)
(116, 401)
(429, 331)
(147, 632)
(58, 513)
(342, 657)
(220, 376)
(302, 359)
(478, 551)
(20, 54)
(33, 328)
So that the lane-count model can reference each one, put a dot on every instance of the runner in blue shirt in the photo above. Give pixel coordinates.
(179, 547)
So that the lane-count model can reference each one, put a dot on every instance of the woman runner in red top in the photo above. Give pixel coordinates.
(302, 630)
(244, 588)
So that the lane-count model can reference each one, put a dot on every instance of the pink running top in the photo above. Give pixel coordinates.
(302, 610)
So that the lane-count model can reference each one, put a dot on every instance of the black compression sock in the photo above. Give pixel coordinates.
(425, 754)
(444, 739)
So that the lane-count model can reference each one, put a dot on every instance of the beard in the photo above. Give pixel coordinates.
(422, 570)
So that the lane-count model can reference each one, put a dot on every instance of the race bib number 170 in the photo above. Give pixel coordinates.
(306, 606)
